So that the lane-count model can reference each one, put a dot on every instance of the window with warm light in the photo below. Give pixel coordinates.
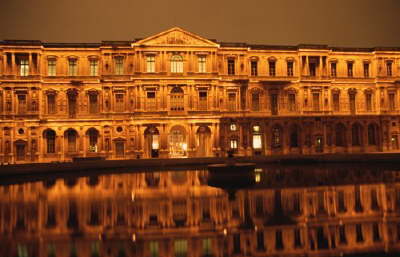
(177, 64)
(24, 67)
(202, 64)
(72, 67)
(119, 65)
(153, 247)
(94, 67)
(233, 127)
(51, 67)
(150, 63)
(233, 144)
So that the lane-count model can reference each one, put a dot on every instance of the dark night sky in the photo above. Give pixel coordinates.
(363, 23)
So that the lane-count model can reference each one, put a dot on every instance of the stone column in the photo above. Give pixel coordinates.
(13, 67)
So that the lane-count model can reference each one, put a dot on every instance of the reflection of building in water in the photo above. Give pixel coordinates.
(176, 94)
(177, 214)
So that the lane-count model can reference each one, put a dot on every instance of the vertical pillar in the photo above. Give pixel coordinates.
(320, 67)
(30, 65)
(13, 67)
(307, 66)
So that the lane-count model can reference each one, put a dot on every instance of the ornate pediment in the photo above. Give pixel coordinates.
(176, 36)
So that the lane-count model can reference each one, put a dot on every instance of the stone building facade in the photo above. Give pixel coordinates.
(176, 94)
(290, 212)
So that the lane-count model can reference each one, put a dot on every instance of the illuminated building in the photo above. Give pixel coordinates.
(290, 212)
(176, 94)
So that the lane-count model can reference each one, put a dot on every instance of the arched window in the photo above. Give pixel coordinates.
(177, 64)
(255, 101)
(71, 140)
(93, 135)
(177, 99)
(50, 137)
(372, 140)
(340, 132)
(356, 134)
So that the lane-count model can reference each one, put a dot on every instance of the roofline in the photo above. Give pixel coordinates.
(39, 43)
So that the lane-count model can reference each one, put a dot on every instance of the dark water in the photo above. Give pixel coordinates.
(271, 211)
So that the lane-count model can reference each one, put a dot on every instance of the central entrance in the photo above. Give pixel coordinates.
(177, 142)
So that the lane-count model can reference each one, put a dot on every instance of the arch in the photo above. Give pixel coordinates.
(70, 135)
(340, 134)
(152, 141)
(93, 138)
(356, 134)
(373, 129)
(203, 135)
(49, 136)
(177, 141)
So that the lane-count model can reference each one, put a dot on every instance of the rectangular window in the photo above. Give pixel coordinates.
(274, 104)
(202, 64)
(51, 67)
(350, 69)
(366, 70)
(392, 105)
(290, 69)
(120, 148)
(232, 102)
(254, 71)
(51, 104)
(333, 70)
(292, 102)
(272, 70)
(368, 102)
(203, 100)
(257, 142)
(119, 102)
(316, 105)
(24, 67)
(352, 103)
(389, 68)
(93, 103)
(21, 104)
(336, 102)
(94, 67)
(231, 67)
(341, 202)
(207, 250)
(151, 102)
(260, 241)
(153, 245)
(313, 69)
(150, 63)
(180, 248)
(119, 65)
(72, 67)
(233, 143)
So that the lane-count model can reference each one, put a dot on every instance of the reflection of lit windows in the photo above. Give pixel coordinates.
(257, 142)
(233, 127)
(180, 248)
(233, 143)
(258, 177)
(153, 249)
(207, 246)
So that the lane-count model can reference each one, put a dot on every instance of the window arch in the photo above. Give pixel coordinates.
(93, 135)
(50, 137)
(340, 132)
(177, 64)
(372, 134)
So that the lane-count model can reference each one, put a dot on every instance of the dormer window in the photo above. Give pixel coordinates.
(177, 64)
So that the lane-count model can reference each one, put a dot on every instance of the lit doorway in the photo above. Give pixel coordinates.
(177, 142)
(204, 144)
(152, 142)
